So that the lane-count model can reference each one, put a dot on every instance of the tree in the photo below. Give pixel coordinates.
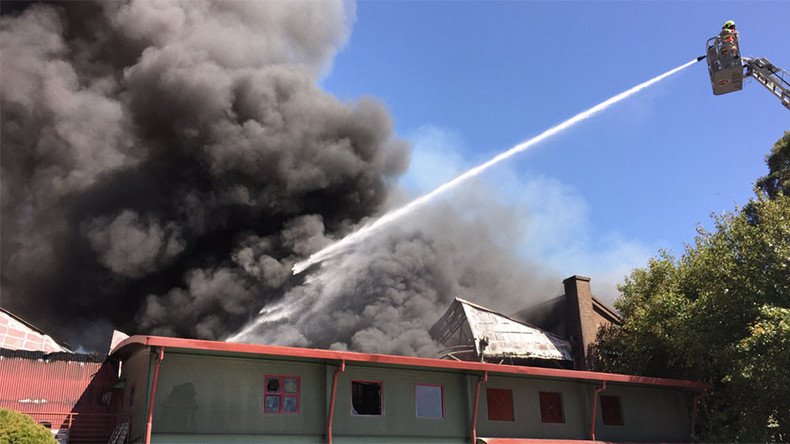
(719, 314)
(18, 428)
(778, 178)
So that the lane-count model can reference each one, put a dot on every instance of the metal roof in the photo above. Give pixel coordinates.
(18, 334)
(504, 336)
(218, 348)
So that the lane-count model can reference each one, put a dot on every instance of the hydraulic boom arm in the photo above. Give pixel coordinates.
(727, 68)
(773, 78)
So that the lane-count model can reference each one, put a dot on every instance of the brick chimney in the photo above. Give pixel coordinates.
(580, 327)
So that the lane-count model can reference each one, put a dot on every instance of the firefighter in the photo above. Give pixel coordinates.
(728, 36)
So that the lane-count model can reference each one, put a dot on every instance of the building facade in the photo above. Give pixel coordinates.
(75, 395)
(180, 390)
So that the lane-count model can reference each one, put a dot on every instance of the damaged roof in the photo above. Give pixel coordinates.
(18, 334)
(505, 337)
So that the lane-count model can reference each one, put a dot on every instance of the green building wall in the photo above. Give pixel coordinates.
(205, 398)
(526, 409)
(399, 418)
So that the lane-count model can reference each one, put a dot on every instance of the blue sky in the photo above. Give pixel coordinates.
(467, 80)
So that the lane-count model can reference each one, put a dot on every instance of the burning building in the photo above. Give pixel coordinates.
(158, 179)
(181, 390)
(475, 333)
(576, 315)
(168, 390)
(555, 333)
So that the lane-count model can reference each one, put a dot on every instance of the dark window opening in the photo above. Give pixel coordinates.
(281, 394)
(551, 408)
(500, 404)
(366, 398)
(611, 410)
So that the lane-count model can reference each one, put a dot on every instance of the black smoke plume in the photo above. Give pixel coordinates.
(150, 148)
(164, 164)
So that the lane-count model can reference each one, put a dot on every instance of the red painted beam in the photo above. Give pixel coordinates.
(480, 381)
(331, 415)
(537, 441)
(160, 356)
(595, 405)
(331, 355)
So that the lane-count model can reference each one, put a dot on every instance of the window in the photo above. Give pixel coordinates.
(429, 401)
(366, 397)
(611, 410)
(281, 394)
(500, 404)
(551, 408)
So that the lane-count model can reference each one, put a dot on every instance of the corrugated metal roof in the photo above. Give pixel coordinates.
(508, 337)
(18, 334)
(505, 337)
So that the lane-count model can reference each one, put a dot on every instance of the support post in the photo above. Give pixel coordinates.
(694, 406)
(595, 407)
(160, 356)
(480, 380)
(331, 415)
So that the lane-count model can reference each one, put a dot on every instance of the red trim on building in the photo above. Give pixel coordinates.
(160, 356)
(500, 404)
(537, 441)
(350, 357)
(282, 394)
(331, 415)
(480, 381)
(552, 410)
(380, 383)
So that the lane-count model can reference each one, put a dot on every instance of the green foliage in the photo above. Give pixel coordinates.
(719, 314)
(18, 428)
(778, 178)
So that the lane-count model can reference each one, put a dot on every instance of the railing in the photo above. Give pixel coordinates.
(79, 428)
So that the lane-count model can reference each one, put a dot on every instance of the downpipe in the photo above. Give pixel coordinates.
(480, 381)
(160, 356)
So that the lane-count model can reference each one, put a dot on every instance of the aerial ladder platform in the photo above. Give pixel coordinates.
(727, 68)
